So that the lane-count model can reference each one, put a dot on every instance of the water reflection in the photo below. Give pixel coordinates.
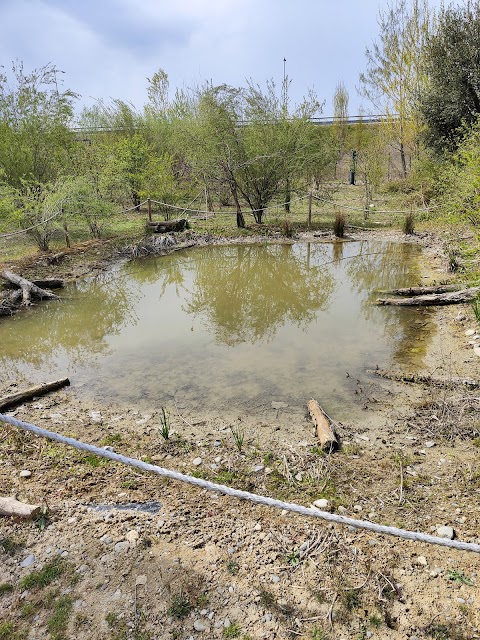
(230, 325)
(245, 293)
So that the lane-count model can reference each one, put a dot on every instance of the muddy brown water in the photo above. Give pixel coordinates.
(222, 328)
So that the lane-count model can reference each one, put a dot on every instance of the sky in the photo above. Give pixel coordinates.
(108, 48)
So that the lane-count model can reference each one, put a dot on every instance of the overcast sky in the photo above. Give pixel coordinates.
(108, 48)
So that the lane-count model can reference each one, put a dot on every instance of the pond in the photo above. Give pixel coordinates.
(227, 328)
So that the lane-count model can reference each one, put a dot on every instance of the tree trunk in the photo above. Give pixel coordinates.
(240, 218)
(450, 383)
(420, 291)
(11, 507)
(288, 196)
(403, 159)
(27, 287)
(325, 432)
(455, 297)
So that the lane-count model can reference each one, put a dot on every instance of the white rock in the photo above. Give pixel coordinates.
(476, 351)
(357, 507)
(322, 503)
(446, 532)
(274, 578)
(429, 444)
(141, 580)
(29, 560)
(197, 462)
(199, 625)
(121, 546)
(95, 416)
(258, 467)
(460, 317)
(421, 560)
(470, 332)
(257, 527)
(132, 535)
(25, 473)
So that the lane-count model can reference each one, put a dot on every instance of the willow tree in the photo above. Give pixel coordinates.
(35, 114)
(395, 70)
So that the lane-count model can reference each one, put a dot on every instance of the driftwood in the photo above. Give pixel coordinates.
(420, 291)
(446, 383)
(28, 288)
(455, 297)
(167, 225)
(38, 390)
(11, 507)
(48, 283)
(325, 432)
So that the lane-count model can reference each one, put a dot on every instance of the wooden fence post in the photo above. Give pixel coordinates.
(149, 207)
(309, 209)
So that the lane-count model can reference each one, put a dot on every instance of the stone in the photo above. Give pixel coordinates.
(421, 560)
(121, 546)
(257, 527)
(132, 535)
(460, 317)
(476, 351)
(446, 532)
(357, 507)
(470, 332)
(95, 416)
(274, 578)
(429, 444)
(258, 467)
(25, 473)
(321, 503)
(197, 462)
(141, 580)
(199, 625)
(342, 509)
(29, 560)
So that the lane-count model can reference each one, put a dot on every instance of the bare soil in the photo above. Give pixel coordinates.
(202, 565)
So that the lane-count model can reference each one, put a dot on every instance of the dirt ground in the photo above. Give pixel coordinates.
(119, 554)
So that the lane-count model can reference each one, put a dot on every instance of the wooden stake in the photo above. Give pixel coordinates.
(309, 209)
(11, 507)
(149, 208)
(325, 432)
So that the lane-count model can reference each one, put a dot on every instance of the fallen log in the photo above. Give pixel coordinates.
(11, 507)
(167, 225)
(420, 291)
(325, 432)
(454, 297)
(48, 283)
(445, 383)
(28, 288)
(38, 390)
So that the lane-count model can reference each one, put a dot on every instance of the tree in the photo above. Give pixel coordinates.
(395, 73)
(340, 120)
(452, 95)
(35, 139)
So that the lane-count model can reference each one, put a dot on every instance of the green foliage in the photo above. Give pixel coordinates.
(232, 631)
(451, 97)
(238, 437)
(58, 622)
(458, 576)
(10, 546)
(5, 588)
(180, 606)
(164, 424)
(35, 139)
(39, 579)
(476, 308)
(409, 224)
